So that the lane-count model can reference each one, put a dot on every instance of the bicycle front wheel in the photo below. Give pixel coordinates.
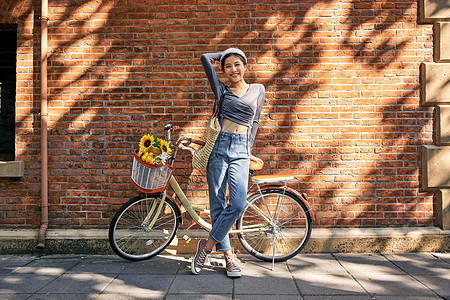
(283, 222)
(143, 227)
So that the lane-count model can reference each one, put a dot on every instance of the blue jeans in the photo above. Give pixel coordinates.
(228, 163)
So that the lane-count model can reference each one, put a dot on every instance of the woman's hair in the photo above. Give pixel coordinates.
(222, 63)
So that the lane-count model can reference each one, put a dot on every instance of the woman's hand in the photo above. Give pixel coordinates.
(256, 163)
(256, 159)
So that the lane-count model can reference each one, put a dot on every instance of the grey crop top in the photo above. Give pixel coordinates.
(244, 110)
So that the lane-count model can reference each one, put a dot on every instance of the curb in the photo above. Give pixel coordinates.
(323, 240)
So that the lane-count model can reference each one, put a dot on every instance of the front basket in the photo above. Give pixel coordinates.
(150, 178)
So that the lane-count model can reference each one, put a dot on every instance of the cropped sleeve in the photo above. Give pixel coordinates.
(260, 103)
(214, 82)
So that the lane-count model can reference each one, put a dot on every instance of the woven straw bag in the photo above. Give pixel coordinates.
(201, 156)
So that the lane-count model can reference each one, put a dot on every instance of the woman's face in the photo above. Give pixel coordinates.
(234, 68)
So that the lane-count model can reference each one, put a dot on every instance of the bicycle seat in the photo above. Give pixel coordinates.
(277, 178)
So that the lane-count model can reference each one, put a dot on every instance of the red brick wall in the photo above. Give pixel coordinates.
(342, 103)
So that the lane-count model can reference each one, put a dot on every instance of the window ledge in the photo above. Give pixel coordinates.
(12, 168)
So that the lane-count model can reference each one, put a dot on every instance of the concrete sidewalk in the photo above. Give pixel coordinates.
(306, 276)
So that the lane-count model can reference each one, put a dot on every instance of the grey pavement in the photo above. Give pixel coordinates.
(306, 276)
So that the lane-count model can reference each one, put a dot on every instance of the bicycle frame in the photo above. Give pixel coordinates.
(158, 211)
(192, 210)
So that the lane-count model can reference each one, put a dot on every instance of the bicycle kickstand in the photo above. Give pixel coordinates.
(273, 259)
(274, 243)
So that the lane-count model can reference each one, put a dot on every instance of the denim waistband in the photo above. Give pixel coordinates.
(240, 136)
(237, 137)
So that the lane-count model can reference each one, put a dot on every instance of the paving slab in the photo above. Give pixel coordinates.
(24, 283)
(419, 263)
(337, 297)
(391, 275)
(62, 296)
(393, 285)
(164, 265)
(49, 266)
(129, 297)
(34, 265)
(252, 266)
(265, 285)
(315, 264)
(78, 283)
(367, 263)
(264, 279)
(201, 284)
(267, 297)
(10, 263)
(199, 297)
(99, 265)
(137, 285)
(407, 298)
(18, 296)
(328, 284)
(438, 284)
(443, 256)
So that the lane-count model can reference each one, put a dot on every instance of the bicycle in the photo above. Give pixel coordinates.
(275, 225)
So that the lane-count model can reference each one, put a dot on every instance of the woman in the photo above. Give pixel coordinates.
(240, 107)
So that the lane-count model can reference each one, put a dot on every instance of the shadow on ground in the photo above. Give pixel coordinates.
(306, 276)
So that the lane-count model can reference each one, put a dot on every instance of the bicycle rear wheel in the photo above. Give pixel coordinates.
(285, 235)
(131, 235)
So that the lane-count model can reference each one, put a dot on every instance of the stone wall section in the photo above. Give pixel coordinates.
(436, 92)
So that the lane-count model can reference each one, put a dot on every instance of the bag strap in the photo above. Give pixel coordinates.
(218, 105)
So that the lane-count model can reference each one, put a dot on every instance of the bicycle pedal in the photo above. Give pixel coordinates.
(216, 264)
(208, 259)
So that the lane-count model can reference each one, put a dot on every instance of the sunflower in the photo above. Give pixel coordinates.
(141, 152)
(164, 146)
(148, 157)
(146, 141)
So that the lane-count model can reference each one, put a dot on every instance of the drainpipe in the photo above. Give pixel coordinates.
(44, 117)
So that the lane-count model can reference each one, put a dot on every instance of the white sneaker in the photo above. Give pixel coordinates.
(233, 269)
(200, 257)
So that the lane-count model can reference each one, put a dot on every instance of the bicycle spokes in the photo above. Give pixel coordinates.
(286, 221)
(143, 227)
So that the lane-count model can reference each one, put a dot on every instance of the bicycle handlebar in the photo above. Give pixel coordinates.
(187, 141)
(198, 142)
